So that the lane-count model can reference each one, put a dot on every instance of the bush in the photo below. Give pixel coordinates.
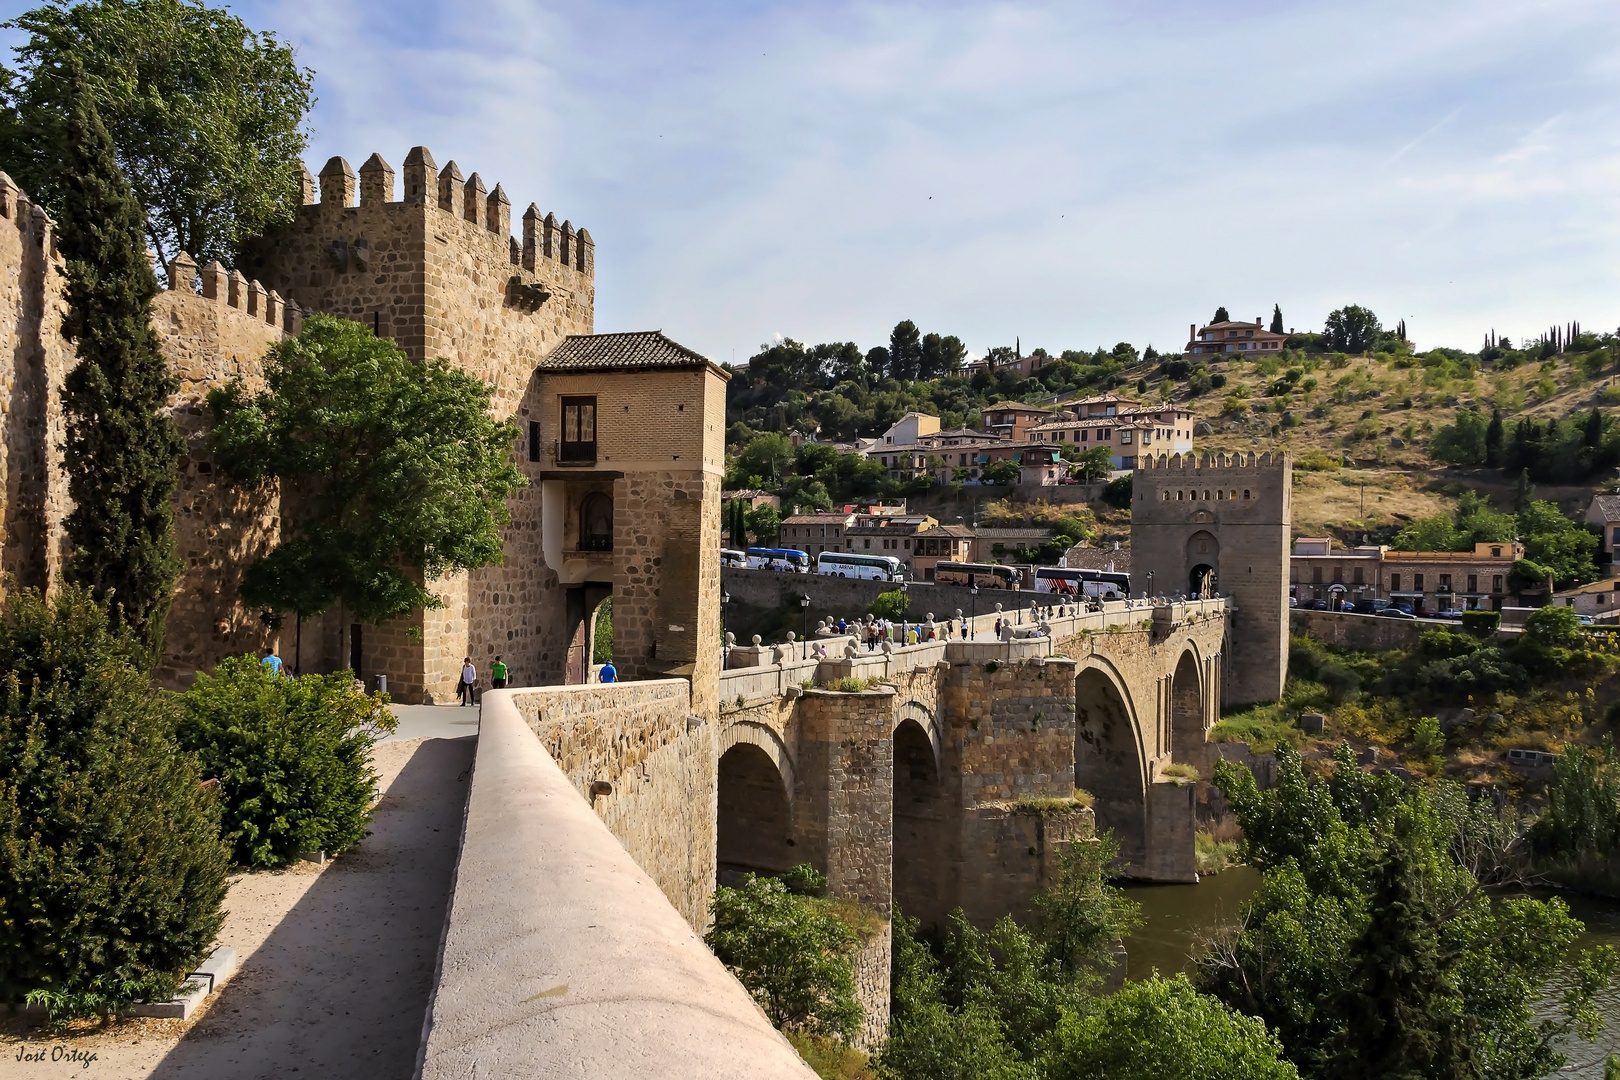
(889, 605)
(792, 953)
(1481, 622)
(1118, 492)
(111, 867)
(292, 755)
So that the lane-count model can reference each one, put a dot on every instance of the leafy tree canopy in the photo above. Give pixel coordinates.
(397, 469)
(1352, 329)
(207, 115)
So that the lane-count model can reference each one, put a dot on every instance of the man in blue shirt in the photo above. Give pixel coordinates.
(272, 661)
(609, 673)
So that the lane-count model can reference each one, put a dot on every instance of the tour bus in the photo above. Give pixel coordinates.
(1102, 584)
(791, 560)
(984, 575)
(733, 557)
(867, 567)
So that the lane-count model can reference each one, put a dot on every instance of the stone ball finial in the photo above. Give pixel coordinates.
(757, 640)
(888, 647)
(998, 607)
(958, 613)
(930, 617)
(792, 637)
(850, 651)
(731, 640)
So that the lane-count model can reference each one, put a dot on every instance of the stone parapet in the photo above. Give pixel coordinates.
(559, 948)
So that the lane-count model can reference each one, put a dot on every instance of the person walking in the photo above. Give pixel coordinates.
(272, 661)
(609, 672)
(469, 676)
(497, 675)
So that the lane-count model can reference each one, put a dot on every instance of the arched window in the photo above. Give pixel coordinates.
(1180, 495)
(1246, 494)
(596, 522)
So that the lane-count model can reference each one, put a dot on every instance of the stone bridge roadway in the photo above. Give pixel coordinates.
(951, 782)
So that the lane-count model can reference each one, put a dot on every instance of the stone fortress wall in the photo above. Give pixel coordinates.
(222, 333)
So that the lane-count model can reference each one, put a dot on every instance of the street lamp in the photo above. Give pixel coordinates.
(1150, 585)
(725, 653)
(905, 626)
(973, 627)
(804, 625)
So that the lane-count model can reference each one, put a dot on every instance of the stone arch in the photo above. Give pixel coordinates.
(767, 739)
(1110, 759)
(920, 861)
(754, 819)
(1187, 712)
(924, 718)
(1203, 562)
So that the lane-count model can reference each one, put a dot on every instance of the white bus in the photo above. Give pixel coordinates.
(733, 557)
(1102, 584)
(790, 560)
(867, 567)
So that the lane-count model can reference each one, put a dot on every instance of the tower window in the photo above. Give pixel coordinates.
(578, 429)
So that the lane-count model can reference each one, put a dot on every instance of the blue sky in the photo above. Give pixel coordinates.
(1069, 174)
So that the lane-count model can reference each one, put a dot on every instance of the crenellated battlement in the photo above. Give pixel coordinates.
(1213, 460)
(29, 218)
(465, 199)
(232, 291)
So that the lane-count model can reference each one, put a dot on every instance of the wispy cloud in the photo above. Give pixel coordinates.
(1074, 174)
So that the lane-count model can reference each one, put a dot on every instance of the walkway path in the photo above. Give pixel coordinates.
(337, 960)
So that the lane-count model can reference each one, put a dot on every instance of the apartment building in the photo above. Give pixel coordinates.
(1429, 580)
(1233, 337)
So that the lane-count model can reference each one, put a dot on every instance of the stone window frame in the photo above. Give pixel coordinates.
(577, 449)
(595, 540)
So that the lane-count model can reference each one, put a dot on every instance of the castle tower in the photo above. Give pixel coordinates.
(621, 435)
(1221, 523)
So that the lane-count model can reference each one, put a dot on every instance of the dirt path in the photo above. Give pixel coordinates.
(337, 961)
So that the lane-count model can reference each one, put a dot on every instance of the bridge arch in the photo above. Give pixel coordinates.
(1188, 695)
(1110, 758)
(754, 823)
(920, 859)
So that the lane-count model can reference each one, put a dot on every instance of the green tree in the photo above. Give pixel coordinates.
(1002, 472)
(1221, 315)
(1162, 1029)
(207, 116)
(905, 351)
(1493, 440)
(1091, 466)
(765, 524)
(765, 461)
(292, 756)
(398, 469)
(602, 640)
(889, 605)
(1330, 911)
(1565, 547)
(111, 867)
(792, 953)
(1351, 329)
(122, 450)
(1276, 319)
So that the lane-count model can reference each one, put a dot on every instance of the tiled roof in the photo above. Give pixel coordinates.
(638, 351)
(1608, 506)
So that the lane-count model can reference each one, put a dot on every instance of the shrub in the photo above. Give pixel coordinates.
(792, 953)
(1118, 492)
(292, 755)
(111, 867)
(889, 605)
(1481, 622)
(1177, 770)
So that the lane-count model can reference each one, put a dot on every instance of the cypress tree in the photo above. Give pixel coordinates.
(1493, 440)
(123, 449)
(1276, 319)
(1221, 315)
(1594, 428)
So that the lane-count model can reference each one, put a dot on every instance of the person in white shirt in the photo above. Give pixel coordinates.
(469, 676)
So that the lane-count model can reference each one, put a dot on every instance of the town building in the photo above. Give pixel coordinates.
(817, 532)
(1041, 466)
(1428, 580)
(917, 540)
(1605, 514)
(1010, 420)
(1127, 428)
(1233, 337)
(993, 543)
(1599, 600)
(909, 430)
(754, 497)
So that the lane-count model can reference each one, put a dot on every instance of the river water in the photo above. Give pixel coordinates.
(1177, 918)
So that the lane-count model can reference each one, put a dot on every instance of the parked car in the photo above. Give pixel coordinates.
(1395, 613)
(1293, 601)
(1316, 605)
(1449, 613)
(1370, 606)
(1404, 605)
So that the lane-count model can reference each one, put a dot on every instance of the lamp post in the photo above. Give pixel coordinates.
(1150, 585)
(725, 653)
(804, 625)
(973, 605)
(905, 591)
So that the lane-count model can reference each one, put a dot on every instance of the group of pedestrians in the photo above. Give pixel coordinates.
(467, 687)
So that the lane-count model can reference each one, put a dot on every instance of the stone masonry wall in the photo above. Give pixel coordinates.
(642, 740)
(34, 359)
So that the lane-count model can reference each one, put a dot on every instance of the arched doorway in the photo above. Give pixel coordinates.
(754, 824)
(919, 824)
(1203, 563)
(1108, 762)
(581, 605)
(1186, 710)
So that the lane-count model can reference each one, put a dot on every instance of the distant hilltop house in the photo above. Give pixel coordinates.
(753, 497)
(1232, 337)
(1598, 599)
(1427, 580)
(1034, 437)
(1605, 514)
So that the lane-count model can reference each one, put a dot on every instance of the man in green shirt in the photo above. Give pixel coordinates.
(497, 674)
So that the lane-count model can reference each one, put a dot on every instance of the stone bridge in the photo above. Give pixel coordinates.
(921, 790)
